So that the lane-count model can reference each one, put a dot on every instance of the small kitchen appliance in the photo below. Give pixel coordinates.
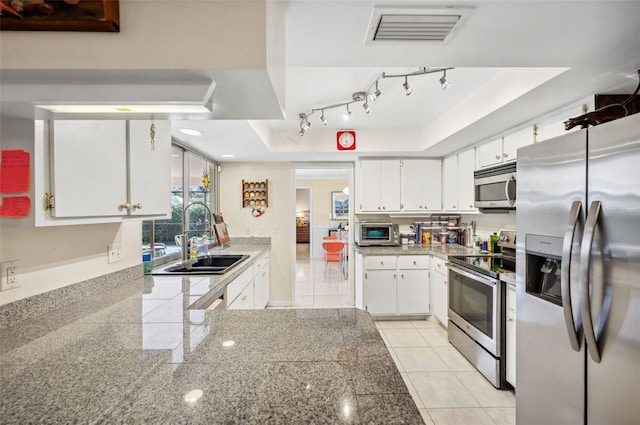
(377, 234)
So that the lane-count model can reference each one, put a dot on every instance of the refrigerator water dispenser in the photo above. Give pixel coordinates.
(543, 265)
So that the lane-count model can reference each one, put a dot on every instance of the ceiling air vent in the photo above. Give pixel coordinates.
(426, 25)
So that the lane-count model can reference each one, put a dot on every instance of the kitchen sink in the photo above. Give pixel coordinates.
(208, 264)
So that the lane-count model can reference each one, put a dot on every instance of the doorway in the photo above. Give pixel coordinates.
(316, 284)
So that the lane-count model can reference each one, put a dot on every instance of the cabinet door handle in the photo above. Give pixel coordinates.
(454, 207)
(395, 276)
(505, 155)
(384, 208)
(137, 206)
(445, 282)
(415, 263)
(244, 298)
(497, 156)
(379, 207)
(125, 206)
(402, 276)
(382, 263)
(510, 319)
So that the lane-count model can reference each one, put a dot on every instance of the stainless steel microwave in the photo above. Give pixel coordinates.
(495, 187)
(377, 234)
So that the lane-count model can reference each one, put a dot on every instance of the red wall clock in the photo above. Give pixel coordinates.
(346, 140)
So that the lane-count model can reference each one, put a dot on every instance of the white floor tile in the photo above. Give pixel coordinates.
(502, 415)
(425, 324)
(425, 416)
(453, 359)
(436, 337)
(394, 324)
(485, 393)
(404, 338)
(460, 417)
(412, 391)
(420, 359)
(441, 390)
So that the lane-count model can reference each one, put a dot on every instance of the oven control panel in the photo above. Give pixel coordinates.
(507, 239)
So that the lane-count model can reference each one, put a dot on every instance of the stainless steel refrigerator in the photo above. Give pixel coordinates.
(578, 278)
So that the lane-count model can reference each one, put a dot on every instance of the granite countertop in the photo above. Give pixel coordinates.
(138, 354)
(442, 251)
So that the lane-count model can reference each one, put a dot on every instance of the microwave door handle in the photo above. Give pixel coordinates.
(511, 178)
(565, 275)
(585, 268)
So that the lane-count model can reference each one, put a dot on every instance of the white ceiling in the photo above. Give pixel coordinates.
(514, 61)
(554, 53)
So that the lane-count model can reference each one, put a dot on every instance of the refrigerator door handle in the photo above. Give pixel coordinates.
(565, 276)
(585, 268)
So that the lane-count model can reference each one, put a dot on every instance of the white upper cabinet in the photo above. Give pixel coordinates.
(149, 168)
(450, 183)
(457, 181)
(489, 153)
(466, 190)
(421, 184)
(515, 141)
(88, 168)
(378, 186)
(109, 168)
(503, 149)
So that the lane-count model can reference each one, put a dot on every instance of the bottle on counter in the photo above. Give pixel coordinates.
(494, 243)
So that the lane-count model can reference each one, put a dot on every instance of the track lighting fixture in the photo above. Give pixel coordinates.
(347, 114)
(376, 94)
(370, 95)
(405, 86)
(443, 81)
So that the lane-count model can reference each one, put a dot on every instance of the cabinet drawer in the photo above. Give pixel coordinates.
(260, 264)
(439, 265)
(238, 285)
(380, 262)
(413, 262)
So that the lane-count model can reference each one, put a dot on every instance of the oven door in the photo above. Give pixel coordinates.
(474, 305)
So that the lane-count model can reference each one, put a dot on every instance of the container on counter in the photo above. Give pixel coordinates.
(477, 243)
(426, 236)
(494, 242)
(147, 262)
(452, 237)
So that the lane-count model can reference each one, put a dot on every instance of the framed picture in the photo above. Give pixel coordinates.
(60, 15)
(339, 206)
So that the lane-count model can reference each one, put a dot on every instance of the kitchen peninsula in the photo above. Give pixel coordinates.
(138, 354)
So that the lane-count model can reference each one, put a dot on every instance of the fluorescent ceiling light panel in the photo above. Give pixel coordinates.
(126, 109)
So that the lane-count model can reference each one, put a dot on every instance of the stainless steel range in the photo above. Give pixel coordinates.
(477, 304)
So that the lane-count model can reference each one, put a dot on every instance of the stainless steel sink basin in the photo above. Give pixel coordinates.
(209, 264)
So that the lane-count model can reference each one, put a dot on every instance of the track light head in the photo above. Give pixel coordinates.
(304, 123)
(323, 120)
(443, 81)
(347, 114)
(367, 107)
(406, 87)
(376, 94)
(359, 96)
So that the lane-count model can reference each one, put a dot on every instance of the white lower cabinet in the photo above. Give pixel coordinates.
(511, 335)
(250, 290)
(396, 285)
(439, 290)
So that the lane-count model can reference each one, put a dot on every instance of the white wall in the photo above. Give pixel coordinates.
(278, 221)
(54, 257)
(321, 198)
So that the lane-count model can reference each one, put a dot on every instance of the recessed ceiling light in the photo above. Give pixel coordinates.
(227, 155)
(190, 131)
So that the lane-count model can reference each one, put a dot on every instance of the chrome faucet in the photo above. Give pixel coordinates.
(185, 227)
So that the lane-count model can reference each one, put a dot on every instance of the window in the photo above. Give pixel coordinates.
(199, 172)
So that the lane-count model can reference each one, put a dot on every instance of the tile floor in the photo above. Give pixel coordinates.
(445, 386)
(314, 288)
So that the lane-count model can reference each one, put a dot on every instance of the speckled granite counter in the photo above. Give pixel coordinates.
(442, 251)
(137, 354)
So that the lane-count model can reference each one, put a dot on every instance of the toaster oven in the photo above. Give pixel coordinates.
(377, 234)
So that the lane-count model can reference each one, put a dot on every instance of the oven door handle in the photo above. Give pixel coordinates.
(565, 276)
(482, 279)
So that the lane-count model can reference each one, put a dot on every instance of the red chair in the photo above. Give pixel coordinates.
(333, 253)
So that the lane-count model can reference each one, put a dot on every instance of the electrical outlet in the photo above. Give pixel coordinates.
(247, 230)
(9, 275)
(261, 230)
(114, 253)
